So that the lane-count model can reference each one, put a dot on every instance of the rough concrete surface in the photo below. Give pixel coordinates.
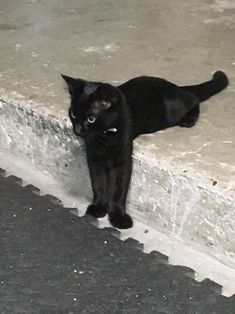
(188, 174)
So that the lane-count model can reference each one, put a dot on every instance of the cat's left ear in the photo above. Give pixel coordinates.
(74, 85)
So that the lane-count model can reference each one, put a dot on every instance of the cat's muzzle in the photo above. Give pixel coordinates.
(78, 130)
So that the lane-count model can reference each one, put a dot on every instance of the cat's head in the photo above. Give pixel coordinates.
(95, 107)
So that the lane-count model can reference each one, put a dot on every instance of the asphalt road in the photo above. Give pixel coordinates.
(55, 262)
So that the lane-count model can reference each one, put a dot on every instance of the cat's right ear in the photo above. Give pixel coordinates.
(74, 85)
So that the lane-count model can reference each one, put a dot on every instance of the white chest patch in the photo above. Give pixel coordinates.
(113, 130)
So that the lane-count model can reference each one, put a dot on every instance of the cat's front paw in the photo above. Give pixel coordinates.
(96, 211)
(188, 121)
(187, 124)
(120, 221)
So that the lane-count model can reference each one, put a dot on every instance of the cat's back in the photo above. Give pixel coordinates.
(144, 83)
(148, 90)
(145, 98)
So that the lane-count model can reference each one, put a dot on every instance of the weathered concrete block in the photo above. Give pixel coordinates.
(164, 196)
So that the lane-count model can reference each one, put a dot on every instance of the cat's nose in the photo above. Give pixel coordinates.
(77, 129)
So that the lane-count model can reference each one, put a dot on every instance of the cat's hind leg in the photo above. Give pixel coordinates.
(190, 118)
(181, 107)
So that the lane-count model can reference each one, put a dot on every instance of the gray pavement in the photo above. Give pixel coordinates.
(54, 262)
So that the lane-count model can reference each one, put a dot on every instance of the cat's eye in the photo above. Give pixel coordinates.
(91, 119)
(72, 115)
(106, 104)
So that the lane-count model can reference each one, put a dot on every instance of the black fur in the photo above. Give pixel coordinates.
(109, 118)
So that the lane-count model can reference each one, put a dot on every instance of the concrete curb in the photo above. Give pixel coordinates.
(163, 195)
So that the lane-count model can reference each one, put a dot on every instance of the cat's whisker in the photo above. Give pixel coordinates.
(101, 141)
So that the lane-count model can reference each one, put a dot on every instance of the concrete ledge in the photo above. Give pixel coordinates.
(44, 140)
(165, 195)
(181, 204)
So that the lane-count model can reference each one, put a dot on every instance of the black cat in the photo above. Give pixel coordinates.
(109, 118)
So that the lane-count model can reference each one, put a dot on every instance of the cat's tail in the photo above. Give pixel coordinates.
(206, 90)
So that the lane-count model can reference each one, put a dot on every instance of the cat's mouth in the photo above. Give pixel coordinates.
(77, 130)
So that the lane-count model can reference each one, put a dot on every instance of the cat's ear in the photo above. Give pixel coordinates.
(74, 85)
(90, 88)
